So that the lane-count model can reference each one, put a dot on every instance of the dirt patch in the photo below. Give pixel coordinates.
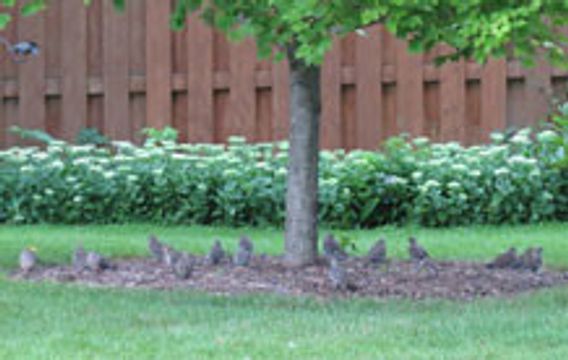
(402, 279)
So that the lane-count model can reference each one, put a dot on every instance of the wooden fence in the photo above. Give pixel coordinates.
(123, 72)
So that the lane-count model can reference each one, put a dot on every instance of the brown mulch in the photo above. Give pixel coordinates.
(266, 274)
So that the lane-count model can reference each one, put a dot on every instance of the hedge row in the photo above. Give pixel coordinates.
(507, 181)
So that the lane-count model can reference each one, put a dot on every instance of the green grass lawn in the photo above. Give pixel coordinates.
(41, 321)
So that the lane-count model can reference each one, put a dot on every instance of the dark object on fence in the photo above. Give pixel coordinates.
(156, 248)
(244, 252)
(79, 258)
(216, 254)
(332, 249)
(377, 255)
(21, 51)
(508, 259)
(28, 260)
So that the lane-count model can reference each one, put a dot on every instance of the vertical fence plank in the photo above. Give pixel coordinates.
(158, 64)
(31, 76)
(369, 89)
(200, 106)
(74, 68)
(331, 137)
(280, 100)
(115, 70)
(493, 97)
(538, 93)
(409, 91)
(242, 117)
(452, 102)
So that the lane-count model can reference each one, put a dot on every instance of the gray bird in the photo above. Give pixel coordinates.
(170, 255)
(183, 266)
(156, 248)
(243, 255)
(535, 260)
(508, 259)
(332, 249)
(96, 262)
(338, 276)
(216, 254)
(79, 258)
(28, 259)
(417, 252)
(377, 255)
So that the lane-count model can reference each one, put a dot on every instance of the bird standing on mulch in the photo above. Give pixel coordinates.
(156, 248)
(532, 259)
(96, 262)
(183, 266)
(79, 258)
(508, 259)
(377, 255)
(216, 254)
(244, 252)
(332, 249)
(338, 276)
(170, 255)
(417, 252)
(420, 257)
(28, 259)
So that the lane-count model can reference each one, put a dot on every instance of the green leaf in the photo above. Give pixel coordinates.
(33, 7)
(4, 20)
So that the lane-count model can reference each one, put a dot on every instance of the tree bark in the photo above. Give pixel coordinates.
(302, 185)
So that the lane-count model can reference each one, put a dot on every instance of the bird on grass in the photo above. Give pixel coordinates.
(183, 266)
(332, 249)
(96, 262)
(508, 259)
(156, 248)
(377, 255)
(338, 276)
(28, 259)
(79, 258)
(243, 255)
(216, 254)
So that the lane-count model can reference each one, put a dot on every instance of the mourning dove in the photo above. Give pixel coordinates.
(216, 254)
(332, 249)
(508, 259)
(377, 255)
(169, 255)
(28, 259)
(535, 261)
(338, 276)
(96, 262)
(417, 252)
(79, 258)
(183, 267)
(156, 248)
(244, 252)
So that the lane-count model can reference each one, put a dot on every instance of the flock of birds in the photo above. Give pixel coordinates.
(182, 264)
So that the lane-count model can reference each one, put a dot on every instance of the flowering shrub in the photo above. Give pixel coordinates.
(509, 181)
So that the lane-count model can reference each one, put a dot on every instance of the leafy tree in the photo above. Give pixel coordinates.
(303, 31)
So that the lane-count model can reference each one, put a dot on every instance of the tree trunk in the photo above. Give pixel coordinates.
(302, 186)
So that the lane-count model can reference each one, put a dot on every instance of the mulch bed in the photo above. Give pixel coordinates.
(267, 274)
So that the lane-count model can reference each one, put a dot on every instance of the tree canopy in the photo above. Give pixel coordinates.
(474, 28)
